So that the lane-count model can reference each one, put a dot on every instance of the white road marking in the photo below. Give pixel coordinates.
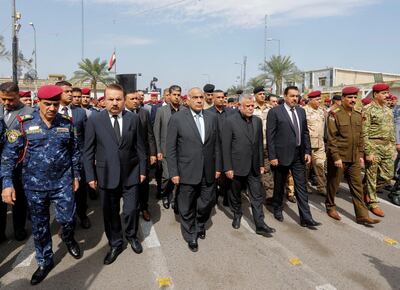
(157, 260)
(312, 277)
(357, 226)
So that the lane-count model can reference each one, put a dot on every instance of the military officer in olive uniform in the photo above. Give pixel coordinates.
(47, 148)
(380, 145)
(316, 126)
(345, 155)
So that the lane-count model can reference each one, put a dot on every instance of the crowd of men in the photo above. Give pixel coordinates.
(66, 147)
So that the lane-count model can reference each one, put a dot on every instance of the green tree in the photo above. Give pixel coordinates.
(233, 89)
(95, 72)
(258, 81)
(279, 68)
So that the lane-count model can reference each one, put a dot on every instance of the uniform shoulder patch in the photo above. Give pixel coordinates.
(22, 118)
(358, 110)
(12, 135)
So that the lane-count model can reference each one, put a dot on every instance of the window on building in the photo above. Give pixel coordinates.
(322, 82)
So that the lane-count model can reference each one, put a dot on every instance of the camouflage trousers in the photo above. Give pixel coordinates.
(267, 179)
(318, 160)
(290, 184)
(39, 206)
(378, 173)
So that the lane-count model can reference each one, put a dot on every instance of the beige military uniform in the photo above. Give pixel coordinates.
(267, 178)
(316, 126)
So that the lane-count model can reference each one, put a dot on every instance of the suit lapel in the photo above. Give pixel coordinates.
(125, 125)
(108, 126)
(244, 126)
(288, 118)
(207, 127)
(190, 119)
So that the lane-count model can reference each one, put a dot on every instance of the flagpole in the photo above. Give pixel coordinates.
(115, 65)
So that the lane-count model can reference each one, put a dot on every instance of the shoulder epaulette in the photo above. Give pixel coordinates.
(22, 118)
(358, 110)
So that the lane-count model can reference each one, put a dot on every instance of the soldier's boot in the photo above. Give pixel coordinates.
(41, 273)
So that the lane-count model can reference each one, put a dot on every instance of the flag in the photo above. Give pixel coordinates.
(112, 61)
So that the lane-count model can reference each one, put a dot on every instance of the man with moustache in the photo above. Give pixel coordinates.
(289, 148)
(208, 95)
(193, 158)
(46, 147)
(243, 160)
(26, 98)
(115, 162)
(132, 104)
(345, 155)
(9, 111)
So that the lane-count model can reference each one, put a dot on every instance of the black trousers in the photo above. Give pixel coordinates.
(81, 199)
(298, 169)
(257, 196)
(19, 210)
(195, 205)
(110, 199)
(144, 189)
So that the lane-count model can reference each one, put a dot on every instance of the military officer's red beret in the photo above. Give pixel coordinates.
(380, 87)
(366, 101)
(154, 94)
(85, 91)
(314, 94)
(350, 91)
(100, 99)
(50, 92)
(24, 94)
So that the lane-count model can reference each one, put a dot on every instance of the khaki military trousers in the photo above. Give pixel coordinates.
(318, 159)
(352, 171)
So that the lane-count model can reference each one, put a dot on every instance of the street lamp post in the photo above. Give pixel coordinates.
(279, 44)
(34, 40)
(241, 73)
(16, 16)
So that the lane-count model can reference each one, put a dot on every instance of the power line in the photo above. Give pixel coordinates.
(159, 7)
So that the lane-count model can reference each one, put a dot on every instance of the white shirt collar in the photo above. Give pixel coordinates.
(288, 108)
(119, 115)
(195, 114)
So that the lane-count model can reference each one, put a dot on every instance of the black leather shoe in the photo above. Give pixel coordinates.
(112, 255)
(85, 223)
(20, 234)
(41, 273)
(74, 250)
(174, 206)
(278, 216)
(193, 246)
(202, 234)
(165, 202)
(236, 222)
(265, 231)
(136, 246)
(310, 223)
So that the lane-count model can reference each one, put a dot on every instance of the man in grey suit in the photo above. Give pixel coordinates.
(9, 110)
(243, 156)
(115, 161)
(193, 157)
(160, 133)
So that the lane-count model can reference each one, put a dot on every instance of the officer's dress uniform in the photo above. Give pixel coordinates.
(50, 164)
(379, 140)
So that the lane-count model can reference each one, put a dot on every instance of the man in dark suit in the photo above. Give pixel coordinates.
(9, 110)
(160, 133)
(222, 112)
(289, 148)
(193, 158)
(242, 151)
(132, 104)
(79, 119)
(115, 161)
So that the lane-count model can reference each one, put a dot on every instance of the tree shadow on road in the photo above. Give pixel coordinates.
(389, 272)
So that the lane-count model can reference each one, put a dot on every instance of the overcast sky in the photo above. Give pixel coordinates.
(188, 42)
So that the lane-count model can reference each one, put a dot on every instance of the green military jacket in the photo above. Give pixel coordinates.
(345, 140)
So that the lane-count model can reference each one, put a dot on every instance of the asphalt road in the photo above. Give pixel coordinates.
(338, 255)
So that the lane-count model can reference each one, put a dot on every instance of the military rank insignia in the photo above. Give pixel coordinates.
(12, 135)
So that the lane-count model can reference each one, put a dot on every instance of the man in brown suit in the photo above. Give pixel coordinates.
(345, 155)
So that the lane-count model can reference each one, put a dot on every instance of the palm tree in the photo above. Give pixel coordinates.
(279, 68)
(258, 81)
(95, 72)
(4, 53)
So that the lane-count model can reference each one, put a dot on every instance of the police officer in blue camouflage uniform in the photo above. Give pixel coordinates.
(46, 145)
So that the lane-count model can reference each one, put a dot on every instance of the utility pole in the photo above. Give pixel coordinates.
(83, 31)
(244, 70)
(15, 27)
(265, 37)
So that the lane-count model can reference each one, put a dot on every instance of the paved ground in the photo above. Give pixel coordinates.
(339, 255)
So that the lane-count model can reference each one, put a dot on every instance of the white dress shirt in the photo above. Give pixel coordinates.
(201, 121)
(290, 116)
(61, 110)
(119, 119)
